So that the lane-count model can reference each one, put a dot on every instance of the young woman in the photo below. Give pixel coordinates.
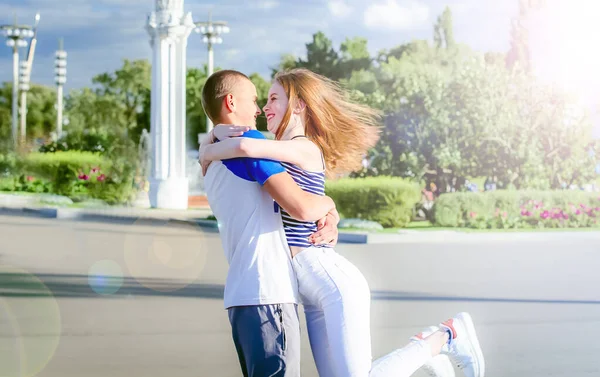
(320, 132)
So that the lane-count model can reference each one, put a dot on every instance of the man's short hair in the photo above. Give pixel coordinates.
(217, 86)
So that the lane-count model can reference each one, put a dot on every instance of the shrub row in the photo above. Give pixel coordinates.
(76, 174)
(387, 200)
(518, 209)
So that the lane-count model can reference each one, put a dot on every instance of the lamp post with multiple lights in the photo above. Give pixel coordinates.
(26, 67)
(211, 34)
(60, 77)
(16, 37)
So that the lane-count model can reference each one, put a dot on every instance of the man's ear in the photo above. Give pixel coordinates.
(299, 107)
(229, 103)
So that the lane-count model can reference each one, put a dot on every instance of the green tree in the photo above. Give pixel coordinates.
(196, 117)
(41, 112)
(262, 89)
(286, 62)
(433, 123)
(496, 58)
(354, 56)
(444, 31)
(6, 143)
(87, 109)
(322, 58)
(519, 53)
(130, 87)
(416, 49)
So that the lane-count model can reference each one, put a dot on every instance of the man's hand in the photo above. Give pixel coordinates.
(225, 131)
(327, 231)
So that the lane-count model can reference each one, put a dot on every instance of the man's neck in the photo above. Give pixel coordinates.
(235, 121)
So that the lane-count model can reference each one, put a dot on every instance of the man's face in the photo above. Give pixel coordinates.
(246, 107)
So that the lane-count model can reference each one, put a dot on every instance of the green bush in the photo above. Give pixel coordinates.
(118, 184)
(387, 200)
(92, 140)
(8, 164)
(25, 183)
(66, 170)
(83, 175)
(518, 209)
(7, 183)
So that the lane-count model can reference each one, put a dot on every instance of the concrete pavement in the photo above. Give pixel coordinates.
(97, 299)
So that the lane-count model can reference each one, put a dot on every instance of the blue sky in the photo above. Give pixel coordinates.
(98, 34)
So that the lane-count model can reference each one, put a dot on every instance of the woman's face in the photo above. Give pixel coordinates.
(277, 104)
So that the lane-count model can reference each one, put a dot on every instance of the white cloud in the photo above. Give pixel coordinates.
(392, 15)
(98, 34)
(339, 8)
(267, 4)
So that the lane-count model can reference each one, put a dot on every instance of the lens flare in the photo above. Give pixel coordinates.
(105, 277)
(166, 258)
(30, 324)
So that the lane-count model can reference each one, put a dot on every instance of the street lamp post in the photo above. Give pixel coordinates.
(16, 37)
(24, 85)
(26, 67)
(211, 32)
(60, 78)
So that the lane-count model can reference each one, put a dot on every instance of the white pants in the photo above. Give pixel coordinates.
(336, 301)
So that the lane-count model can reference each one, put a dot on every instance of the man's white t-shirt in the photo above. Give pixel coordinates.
(260, 265)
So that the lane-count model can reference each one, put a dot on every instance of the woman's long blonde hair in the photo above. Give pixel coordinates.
(344, 130)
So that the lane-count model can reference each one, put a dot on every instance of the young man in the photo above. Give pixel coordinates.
(261, 292)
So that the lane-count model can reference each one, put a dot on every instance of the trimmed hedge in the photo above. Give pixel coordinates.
(387, 200)
(518, 209)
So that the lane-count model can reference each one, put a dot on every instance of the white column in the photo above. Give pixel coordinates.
(211, 69)
(154, 110)
(173, 98)
(169, 29)
(163, 104)
(181, 111)
(15, 95)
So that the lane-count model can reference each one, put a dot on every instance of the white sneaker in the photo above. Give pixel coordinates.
(437, 366)
(463, 347)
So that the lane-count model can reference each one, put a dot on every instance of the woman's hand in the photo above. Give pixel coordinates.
(226, 131)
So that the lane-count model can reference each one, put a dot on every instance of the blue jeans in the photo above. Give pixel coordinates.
(267, 339)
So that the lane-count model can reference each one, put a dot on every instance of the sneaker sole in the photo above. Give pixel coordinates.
(467, 322)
